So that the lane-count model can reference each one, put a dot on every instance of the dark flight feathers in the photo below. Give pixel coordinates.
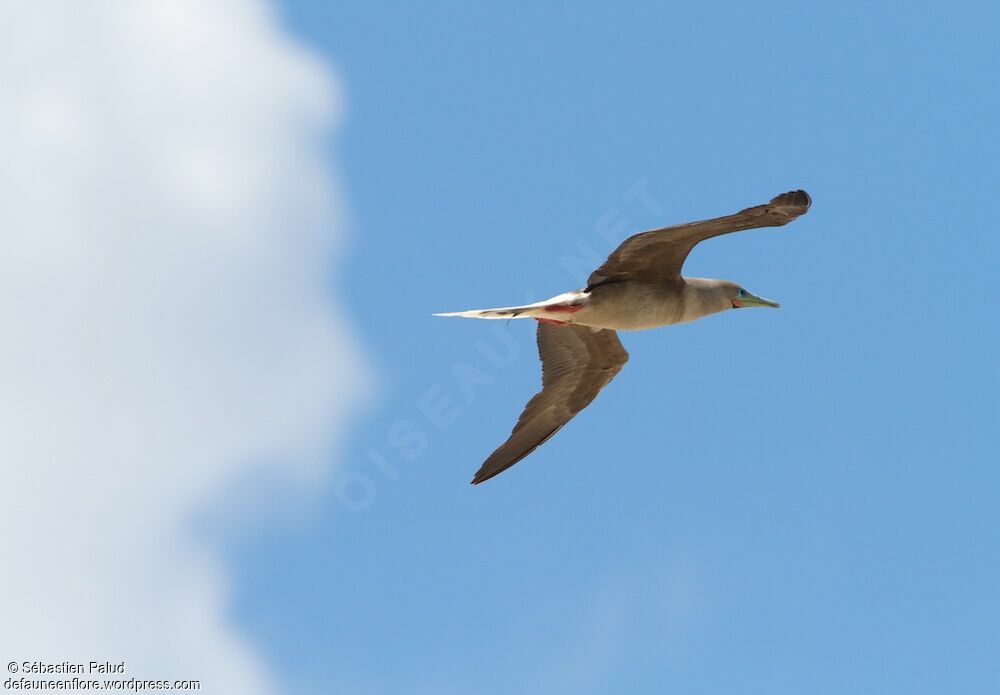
(577, 362)
(658, 255)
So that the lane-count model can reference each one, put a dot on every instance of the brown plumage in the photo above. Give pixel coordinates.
(639, 286)
(657, 256)
(577, 362)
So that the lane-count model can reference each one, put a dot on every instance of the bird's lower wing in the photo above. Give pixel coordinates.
(577, 362)
(658, 255)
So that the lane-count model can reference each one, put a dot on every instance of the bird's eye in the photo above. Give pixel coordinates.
(743, 293)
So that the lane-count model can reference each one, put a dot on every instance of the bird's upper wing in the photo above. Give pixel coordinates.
(657, 255)
(577, 362)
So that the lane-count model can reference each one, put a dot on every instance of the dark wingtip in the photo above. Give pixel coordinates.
(485, 473)
(793, 199)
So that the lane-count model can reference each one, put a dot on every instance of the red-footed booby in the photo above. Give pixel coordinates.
(639, 286)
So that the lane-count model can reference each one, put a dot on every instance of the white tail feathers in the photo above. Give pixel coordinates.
(538, 309)
(509, 312)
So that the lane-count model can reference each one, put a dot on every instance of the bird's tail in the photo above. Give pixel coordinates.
(504, 312)
(563, 302)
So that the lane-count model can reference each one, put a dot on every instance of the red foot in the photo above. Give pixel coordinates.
(553, 322)
(567, 308)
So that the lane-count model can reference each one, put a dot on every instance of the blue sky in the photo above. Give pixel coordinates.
(782, 501)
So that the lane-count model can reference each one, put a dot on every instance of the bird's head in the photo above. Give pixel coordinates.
(740, 298)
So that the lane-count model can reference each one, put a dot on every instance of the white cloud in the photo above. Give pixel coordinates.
(167, 224)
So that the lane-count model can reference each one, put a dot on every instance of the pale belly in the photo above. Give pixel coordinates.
(623, 307)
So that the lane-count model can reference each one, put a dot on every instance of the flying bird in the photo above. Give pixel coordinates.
(639, 286)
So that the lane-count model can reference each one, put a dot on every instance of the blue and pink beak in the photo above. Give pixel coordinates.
(746, 299)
